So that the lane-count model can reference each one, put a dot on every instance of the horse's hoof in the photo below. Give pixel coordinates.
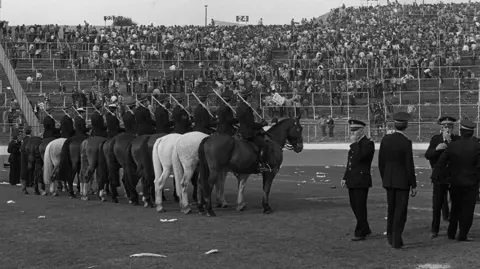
(55, 194)
(73, 196)
(44, 193)
(241, 207)
(37, 193)
(186, 210)
(103, 200)
(148, 204)
(160, 209)
(267, 210)
(134, 203)
(210, 213)
(25, 192)
(115, 200)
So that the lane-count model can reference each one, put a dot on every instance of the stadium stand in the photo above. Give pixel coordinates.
(361, 63)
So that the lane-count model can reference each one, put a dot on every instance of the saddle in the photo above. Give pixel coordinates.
(256, 148)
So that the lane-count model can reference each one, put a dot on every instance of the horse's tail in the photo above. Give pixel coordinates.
(157, 166)
(177, 170)
(47, 164)
(131, 162)
(204, 171)
(146, 160)
(102, 165)
(84, 161)
(65, 165)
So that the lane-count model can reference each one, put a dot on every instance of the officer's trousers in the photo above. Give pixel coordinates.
(358, 203)
(463, 207)
(397, 200)
(440, 205)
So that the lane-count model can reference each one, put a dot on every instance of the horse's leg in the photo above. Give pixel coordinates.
(267, 184)
(175, 196)
(159, 185)
(188, 172)
(112, 181)
(220, 190)
(131, 181)
(242, 182)
(212, 179)
(194, 181)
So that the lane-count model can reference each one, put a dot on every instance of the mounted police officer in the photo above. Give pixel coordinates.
(251, 130)
(113, 124)
(49, 129)
(143, 117)
(98, 124)
(462, 158)
(80, 123)
(129, 118)
(437, 146)
(162, 117)
(203, 121)
(181, 118)
(226, 119)
(358, 178)
(395, 163)
(66, 126)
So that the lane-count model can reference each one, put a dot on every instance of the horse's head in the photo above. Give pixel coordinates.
(294, 135)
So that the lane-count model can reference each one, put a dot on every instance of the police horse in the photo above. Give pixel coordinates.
(219, 154)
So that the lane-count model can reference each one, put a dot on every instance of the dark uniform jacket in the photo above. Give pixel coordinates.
(145, 123)
(98, 125)
(203, 121)
(66, 127)
(129, 122)
(162, 121)
(49, 129)
(80, 126)
(225, 120)
(113, 125)
(395, 162)
(463, 159)
(182, 120)
(359, 163)
(248, 126)
(432, 155)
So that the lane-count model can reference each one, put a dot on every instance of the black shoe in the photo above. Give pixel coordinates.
(433, 235)
(464, 239)
(451, 237)
(357, 238)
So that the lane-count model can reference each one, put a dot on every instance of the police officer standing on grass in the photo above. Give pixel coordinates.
(395, 163)
(437, 146)
(358, 178)
(463, 159)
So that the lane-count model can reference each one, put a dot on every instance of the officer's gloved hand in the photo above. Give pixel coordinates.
(264, 122)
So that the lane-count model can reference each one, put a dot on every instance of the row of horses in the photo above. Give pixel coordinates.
(192, 157)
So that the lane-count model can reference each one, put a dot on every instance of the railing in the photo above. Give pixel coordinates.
(19, 93)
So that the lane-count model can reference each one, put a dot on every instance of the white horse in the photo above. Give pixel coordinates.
(51, 160)
(162, 165)
(185, 162)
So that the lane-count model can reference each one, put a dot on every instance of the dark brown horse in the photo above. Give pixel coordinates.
(29, 150)
(70, 162)
(90, 155)
(115, 151)
(219, 154)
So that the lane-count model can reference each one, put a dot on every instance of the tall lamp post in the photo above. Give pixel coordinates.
(206, 7)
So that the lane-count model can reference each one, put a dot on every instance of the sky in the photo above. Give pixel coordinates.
(163, 12)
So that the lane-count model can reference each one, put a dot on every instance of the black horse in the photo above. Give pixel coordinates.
(219, 154)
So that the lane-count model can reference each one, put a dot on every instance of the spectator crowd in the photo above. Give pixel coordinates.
(351, 52)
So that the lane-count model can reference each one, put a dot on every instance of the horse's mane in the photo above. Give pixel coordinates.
(278, 124)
